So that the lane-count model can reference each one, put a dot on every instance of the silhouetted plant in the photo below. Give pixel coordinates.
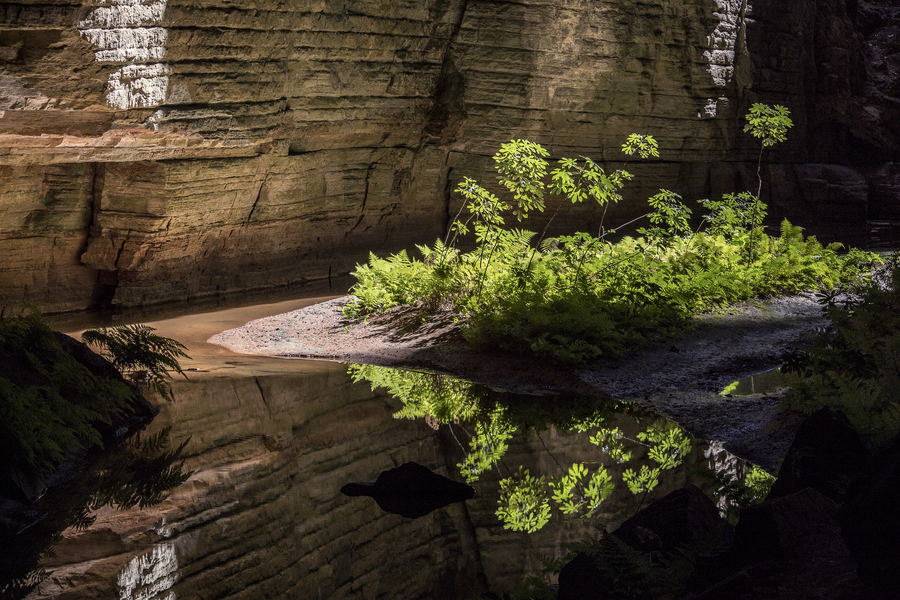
(50, 403)
(854, 364)
(138, 471)
(136, 351)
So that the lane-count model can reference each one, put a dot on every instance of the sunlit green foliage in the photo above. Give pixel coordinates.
(575, 298)
(491, 423)
(642, 481)
(733, 214)
(854, 365)
(443, 398)
(488, 445)
(737, 489)
(669, 444)
(522, 168)
(523, 503)
(611, 442)
(139, 353)
(759, 484)
(768, 123)
(576, 493)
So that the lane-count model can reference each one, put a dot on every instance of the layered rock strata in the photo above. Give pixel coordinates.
(263, 515)
(159, 150)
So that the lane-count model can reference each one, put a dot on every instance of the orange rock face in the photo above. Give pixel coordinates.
(157, 151)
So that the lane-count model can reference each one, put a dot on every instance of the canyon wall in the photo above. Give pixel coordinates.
(262, 516)
(161, 150)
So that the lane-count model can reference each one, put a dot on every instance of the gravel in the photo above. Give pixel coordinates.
(679, 377)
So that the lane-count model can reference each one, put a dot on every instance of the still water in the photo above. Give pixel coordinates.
(271, 443)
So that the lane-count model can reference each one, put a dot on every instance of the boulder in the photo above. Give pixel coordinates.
(633, 561)
(682, 518)
(826, 454)
(788, 547)
(871, 521)
(411, 490)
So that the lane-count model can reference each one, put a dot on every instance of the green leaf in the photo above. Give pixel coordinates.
(768, 123)
(523, 504)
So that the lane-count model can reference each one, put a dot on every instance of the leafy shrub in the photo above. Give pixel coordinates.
(136, 351)
(575, 298)
(854, 364)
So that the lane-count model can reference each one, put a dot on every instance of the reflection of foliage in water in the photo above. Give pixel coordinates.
(136, 472)
(446, 400)
(524, 498)
(60, 404)
(669, 443)
(488, 445)
(610, 441)
(523, 502)
(575, 495)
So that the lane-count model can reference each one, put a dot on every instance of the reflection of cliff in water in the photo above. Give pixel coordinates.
(263, 515)
(135, 471)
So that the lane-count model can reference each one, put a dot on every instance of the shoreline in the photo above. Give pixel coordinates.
(679, 377)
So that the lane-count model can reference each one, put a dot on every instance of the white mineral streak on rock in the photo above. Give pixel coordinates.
(162, 530)
(721, 52)
(141, 44)
(725, 463)
(150, 576)
(127, 31)
(125, 13)
(138, 85)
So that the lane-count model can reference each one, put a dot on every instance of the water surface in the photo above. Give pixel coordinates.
(272, 441)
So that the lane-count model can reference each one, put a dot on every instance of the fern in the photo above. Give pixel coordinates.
(135, 350)
(50, 403)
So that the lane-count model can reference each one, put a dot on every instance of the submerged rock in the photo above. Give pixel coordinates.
(411, 490)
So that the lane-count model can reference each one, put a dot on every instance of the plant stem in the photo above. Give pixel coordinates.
(599, 239)
(756, 204)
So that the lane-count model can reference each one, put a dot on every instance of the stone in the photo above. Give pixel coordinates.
(788, 547)
(160, 151)
(871, 522)
(827, 454)
(411, 490)
(680, 519)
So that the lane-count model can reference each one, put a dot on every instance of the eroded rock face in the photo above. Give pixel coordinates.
(263, 514)
(159, 150)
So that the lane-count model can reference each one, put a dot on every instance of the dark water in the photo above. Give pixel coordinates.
(271, 442)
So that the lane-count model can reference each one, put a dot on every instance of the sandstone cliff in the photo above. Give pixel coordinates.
(155, 150)
(262, 516)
